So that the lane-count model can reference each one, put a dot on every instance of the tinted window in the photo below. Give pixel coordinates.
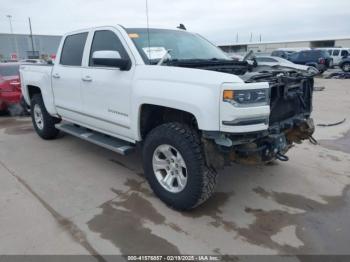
(315, 54)
(335, 52)
(294, 56)
(344, 53)
(304, 55)
(11, 70)
(73, 48)
(106, 40)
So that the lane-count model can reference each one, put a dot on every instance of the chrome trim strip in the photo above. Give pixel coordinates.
(247, 121)
(98, 118)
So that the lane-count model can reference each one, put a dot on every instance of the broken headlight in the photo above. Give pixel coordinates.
(247, 97)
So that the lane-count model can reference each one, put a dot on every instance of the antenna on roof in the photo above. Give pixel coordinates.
(181, 26)
(149, 42)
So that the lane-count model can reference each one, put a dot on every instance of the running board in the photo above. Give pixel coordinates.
(117, 145)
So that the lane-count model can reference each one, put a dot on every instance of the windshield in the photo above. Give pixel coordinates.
(9, 70)
(182, 45)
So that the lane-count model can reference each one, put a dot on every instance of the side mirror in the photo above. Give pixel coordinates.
(110, 58)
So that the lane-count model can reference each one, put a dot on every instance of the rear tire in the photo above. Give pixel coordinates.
(200, 180)
(43, 122)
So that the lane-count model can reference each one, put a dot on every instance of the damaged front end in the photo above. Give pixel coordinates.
(255, 148)
(289, 122)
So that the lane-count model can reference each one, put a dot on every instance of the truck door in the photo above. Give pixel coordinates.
(66, 76)
(106, 89)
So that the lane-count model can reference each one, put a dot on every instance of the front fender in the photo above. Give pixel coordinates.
(200, 101)
(191, 90)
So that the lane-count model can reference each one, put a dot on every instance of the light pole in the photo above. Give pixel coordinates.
(13, 36)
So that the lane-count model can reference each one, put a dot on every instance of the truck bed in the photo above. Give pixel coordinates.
(36, 75)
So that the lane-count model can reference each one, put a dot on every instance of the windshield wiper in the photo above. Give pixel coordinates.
(165, 57)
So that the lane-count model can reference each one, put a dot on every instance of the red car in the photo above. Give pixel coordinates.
(10, 85)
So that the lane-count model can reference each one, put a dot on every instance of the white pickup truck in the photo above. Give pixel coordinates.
(175, 95)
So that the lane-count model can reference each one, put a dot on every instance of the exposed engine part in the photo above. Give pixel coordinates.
(282, 157)
(212, 155)
(257, 148)
(224, 141)
(289, 121)
(301, 132)
(333, 124)
(313, 140)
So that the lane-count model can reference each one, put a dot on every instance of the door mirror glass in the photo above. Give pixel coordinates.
(109, 58)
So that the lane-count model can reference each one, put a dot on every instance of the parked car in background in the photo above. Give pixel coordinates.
(286, 52)
(9, 61)
(319, 59)
(10, 85)
(282, 53)
(344, 64)
(274, 61)
(337, 54)
(33, 61)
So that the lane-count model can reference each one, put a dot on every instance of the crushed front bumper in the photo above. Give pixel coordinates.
(254, 148)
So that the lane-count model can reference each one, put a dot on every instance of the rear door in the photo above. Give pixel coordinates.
(66, 76)
(106, 90)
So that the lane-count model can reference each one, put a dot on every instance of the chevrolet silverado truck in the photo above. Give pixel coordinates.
(190, 109)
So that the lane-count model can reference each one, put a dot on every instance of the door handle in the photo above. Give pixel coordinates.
(56, 75)
(87, 78)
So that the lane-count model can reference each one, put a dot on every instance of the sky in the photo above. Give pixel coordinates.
(220, 21)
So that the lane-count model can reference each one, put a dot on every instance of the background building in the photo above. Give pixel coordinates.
(268, 47)
(21, 44)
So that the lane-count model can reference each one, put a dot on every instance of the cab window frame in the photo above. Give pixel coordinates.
(85, 35)
(124, 54)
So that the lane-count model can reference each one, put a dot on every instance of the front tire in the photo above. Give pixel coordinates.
(43, 122)
(175, 168)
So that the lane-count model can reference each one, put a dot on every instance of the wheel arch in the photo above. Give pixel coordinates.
(151, 116)
(32, 90)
